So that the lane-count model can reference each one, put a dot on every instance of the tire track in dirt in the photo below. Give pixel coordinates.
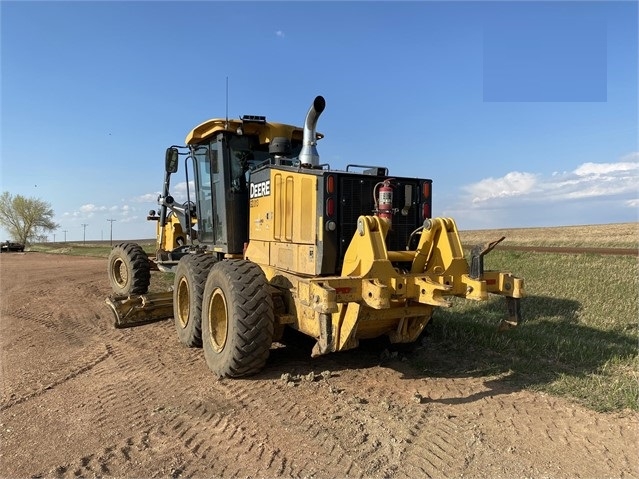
(533, 425)
(47, 320)
(290, 423)
(437, 447)
(129, 398)
(221, 445)
(364, 420)
(367, 407)
(239, 443)
(75, 318)
(87, 360)
(389, 429)
(215, 435)
(207, 433)
(382, 429)
(34, 373)
(126, 458)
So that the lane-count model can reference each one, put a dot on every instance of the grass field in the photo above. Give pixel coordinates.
(618, 235)
(90, 248)
(578, 338)
(580, 334)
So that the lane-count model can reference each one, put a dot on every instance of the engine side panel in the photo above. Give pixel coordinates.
(303, 221)
(282, 219)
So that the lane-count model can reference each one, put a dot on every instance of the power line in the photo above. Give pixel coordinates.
(84, 237)
(65, 235)
(111, 221)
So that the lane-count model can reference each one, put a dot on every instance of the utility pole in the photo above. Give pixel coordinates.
(54, 237)
(65, 235)
(111, 221)
(84, 237)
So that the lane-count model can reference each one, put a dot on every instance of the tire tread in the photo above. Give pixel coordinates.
(254, 320)
(197, 269)
(139, 268)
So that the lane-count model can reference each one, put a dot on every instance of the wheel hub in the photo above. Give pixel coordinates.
(120, 273)
(218, 320)
(183, 307)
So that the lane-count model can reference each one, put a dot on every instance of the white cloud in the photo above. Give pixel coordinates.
(91, 208)
(589, 180)
(602, 169)
(512, 184)
(591, 193)
(86, 211)
(633, 157)
(147, 198)
(280, 33)
(179, 191)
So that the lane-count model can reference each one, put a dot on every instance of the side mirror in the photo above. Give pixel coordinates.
(171, 160)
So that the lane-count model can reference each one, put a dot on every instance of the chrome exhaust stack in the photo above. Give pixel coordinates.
(308, 155)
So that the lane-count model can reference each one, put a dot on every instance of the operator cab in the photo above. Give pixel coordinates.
(218, 159)
(222, 167)
(261, 193)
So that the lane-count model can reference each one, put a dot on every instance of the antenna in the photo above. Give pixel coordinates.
(227, 103)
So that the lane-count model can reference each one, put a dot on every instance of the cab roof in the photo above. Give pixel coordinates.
(260, 127)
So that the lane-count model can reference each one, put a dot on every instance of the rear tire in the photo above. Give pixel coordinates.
(237, 319)
(188, 288)
(129, 269)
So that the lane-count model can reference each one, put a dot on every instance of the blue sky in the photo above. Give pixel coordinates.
(522, 113)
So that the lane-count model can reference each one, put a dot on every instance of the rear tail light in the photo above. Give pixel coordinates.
(330, 184)
(426, 190)
(330, 207)
(426, 210)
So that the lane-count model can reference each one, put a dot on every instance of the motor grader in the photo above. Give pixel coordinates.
(271, 239)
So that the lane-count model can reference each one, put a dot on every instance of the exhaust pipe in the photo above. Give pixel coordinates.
(308, 155)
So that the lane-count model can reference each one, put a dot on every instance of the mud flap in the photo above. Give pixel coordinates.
(132, 311)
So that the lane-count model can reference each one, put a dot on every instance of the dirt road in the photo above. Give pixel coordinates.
(80, 398)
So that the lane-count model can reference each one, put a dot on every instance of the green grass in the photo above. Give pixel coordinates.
(159, 281)
(99, 249)
(579, 336)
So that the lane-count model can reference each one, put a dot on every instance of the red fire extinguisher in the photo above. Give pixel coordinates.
(384, 200)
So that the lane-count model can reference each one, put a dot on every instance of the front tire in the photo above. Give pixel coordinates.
(237, 319)
(129, 269)
(188, 287)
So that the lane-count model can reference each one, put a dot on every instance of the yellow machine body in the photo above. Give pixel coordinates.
(283, 229)
(371, 296)
(171, 235)
(343, 255)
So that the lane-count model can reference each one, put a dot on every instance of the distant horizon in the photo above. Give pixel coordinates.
(461, 230)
